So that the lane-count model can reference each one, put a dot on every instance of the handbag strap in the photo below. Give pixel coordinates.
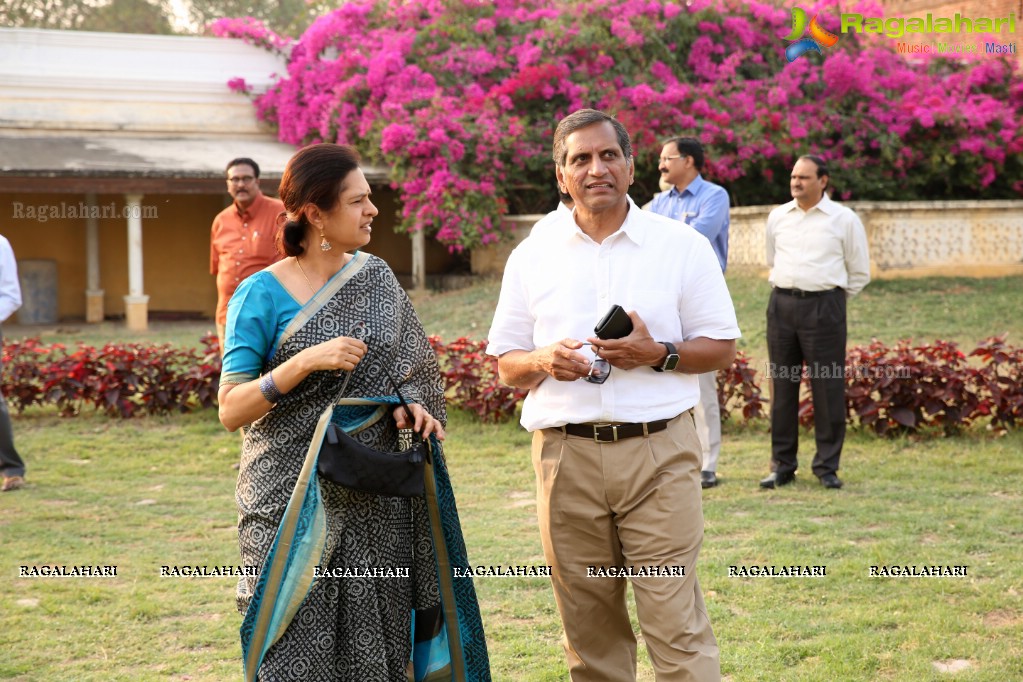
(361, 331)
(401, 399)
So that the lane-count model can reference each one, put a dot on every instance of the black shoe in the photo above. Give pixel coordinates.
(708, 479)
(776, 480)
(831, 481)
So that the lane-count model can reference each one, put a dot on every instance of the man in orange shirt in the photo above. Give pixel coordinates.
(243, 239)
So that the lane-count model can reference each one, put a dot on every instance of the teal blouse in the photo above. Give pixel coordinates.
(257, 314)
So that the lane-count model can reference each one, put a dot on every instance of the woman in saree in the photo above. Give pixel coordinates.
(327, 325)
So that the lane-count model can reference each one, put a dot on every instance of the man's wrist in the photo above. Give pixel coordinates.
(669, 361)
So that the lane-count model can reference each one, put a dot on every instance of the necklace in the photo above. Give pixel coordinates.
(299, 261)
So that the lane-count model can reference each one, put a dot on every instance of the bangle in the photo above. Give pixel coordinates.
(269, 389)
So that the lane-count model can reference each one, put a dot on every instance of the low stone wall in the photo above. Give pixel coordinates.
(912, 238)
(490, 259)
(906, 238)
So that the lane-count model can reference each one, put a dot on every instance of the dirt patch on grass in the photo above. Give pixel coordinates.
(954, 665)
(1002, 618)
(521, 499)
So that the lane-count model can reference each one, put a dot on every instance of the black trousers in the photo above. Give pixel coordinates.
(810, 330)
(10, 461)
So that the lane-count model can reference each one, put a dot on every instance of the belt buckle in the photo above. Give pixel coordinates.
(614, 433)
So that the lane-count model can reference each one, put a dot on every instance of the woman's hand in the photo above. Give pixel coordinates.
(242, 404)
(425, 423)
(342, 353)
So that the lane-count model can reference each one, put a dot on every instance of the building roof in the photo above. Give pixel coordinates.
(78, 107)
(101, 155)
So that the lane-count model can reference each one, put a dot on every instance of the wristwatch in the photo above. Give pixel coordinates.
(671, 361)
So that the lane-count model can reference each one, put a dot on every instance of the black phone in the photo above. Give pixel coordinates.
(615, 324)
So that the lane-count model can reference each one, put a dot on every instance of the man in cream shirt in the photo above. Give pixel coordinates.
(817, 252)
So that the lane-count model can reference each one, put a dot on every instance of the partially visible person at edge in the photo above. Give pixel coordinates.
(565, 206)
(617, 463)
(295, 332)
(704, 207)
(243, 239)
(12, 468)
(817, 252)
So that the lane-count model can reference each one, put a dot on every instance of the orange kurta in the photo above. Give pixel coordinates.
(242, 243)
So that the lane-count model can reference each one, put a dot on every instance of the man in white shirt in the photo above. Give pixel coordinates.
(12, 468)
(817, 252)
(617, 463)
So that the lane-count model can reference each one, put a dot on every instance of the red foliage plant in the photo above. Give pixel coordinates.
(906, 388)
(738, 389)
(890, 390)
(471, 380)
(121, 380)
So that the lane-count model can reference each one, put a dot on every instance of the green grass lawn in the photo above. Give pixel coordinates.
(149, 492)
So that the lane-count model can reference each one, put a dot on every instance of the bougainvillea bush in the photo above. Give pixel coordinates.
(458, 99)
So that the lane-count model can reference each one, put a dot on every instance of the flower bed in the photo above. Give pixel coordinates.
(903, 388)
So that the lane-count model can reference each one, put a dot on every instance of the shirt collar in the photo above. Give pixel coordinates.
(693, 187)
(825, 205)
(633, 227)
(253, 207)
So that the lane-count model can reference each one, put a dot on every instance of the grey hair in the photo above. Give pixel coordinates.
(584, 118)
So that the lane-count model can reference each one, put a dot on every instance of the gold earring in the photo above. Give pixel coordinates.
(324, 244)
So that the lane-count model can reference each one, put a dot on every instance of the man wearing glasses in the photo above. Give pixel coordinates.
(617, 459)
(702, 206)
(243, 239)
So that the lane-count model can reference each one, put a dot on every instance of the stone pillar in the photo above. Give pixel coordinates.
(93, 293)
(418, 261)
(136, 303)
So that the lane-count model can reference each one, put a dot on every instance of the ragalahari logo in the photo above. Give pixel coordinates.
(819, 36)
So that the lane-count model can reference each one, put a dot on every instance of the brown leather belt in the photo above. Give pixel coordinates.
(610, 433)
(799, 293)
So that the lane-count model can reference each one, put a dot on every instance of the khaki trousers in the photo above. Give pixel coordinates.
(635, 503)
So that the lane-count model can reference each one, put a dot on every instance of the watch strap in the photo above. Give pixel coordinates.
(670, 360)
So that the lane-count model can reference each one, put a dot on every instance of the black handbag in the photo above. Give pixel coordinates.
(354, 465)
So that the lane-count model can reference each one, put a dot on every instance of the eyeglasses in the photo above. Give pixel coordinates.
(666, 159)
(600, 370)
(244, 180)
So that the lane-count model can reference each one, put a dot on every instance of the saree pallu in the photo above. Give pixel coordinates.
(313, 613)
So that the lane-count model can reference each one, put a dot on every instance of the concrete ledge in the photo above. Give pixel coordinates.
(907, 238)
(913, 238)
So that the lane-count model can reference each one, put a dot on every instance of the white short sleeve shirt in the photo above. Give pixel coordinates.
(558, 283)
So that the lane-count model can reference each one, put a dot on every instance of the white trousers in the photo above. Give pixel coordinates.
(708, 420)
